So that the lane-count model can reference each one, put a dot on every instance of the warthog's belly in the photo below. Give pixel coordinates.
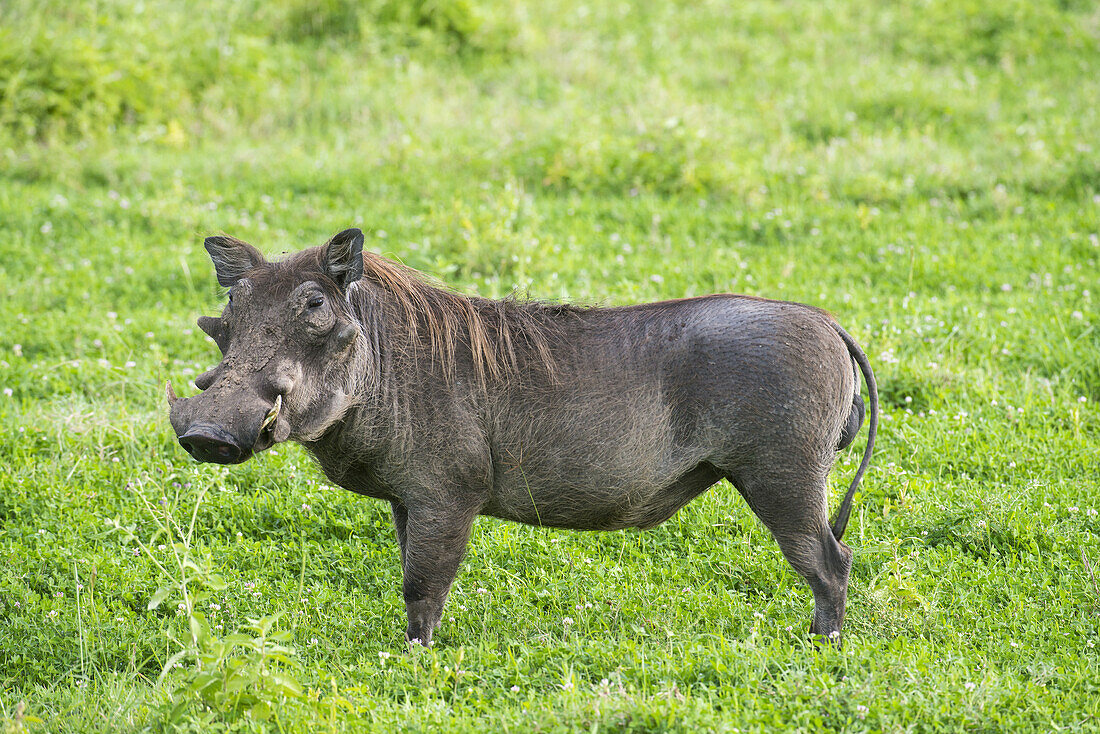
(612, 505)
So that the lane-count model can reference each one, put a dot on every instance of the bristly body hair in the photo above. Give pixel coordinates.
(404, 316)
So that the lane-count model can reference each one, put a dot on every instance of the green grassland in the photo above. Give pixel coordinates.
(929, 172)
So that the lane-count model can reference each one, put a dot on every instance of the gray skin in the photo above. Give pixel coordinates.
(622, 418)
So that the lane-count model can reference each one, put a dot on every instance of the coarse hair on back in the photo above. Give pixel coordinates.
(405, 315)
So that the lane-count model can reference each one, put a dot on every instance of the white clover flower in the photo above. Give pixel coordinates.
(567, 621)
(515, 689)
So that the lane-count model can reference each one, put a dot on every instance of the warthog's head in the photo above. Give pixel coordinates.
(288, 340)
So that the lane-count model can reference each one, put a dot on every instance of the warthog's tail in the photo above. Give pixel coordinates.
(841, 521)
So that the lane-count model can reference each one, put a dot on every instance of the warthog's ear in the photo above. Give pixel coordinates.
(343, 258)
(232, 258)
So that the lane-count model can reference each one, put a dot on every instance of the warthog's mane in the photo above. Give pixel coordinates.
(407, 315)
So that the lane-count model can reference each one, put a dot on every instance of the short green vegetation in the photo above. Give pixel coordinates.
(927, 171)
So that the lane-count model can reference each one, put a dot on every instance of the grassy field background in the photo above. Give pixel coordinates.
(927, 171)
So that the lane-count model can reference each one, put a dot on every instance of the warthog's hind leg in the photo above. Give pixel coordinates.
(794, 509)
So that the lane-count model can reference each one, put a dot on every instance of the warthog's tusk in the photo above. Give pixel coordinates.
(273, 414)
(171, 393)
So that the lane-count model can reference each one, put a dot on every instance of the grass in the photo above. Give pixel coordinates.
(929, 172)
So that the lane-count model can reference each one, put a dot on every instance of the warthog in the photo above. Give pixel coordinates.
(450, 407)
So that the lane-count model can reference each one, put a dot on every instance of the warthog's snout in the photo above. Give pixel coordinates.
(230, 438)
(210, 443)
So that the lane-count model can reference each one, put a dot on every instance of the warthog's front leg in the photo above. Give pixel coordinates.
(400, 519)
(434, 543)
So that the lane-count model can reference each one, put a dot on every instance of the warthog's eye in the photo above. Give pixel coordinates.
(315, 301)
